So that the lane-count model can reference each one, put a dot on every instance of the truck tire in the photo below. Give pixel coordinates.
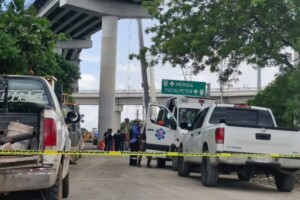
(66, 186)
(242, 177)
(175, 163)
(285, 182)
(183, 169)
(209, 173)
(55, 192)
(160, 162)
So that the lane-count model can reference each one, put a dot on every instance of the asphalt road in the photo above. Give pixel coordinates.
(111, 178)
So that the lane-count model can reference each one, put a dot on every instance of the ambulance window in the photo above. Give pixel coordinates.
(154, 110)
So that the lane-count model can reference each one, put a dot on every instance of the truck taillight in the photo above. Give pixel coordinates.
(49, 133)
(219, 135)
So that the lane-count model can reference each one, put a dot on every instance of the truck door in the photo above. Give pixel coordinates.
(160, 128)
(197, 132)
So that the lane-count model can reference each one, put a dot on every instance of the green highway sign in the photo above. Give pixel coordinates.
(187, 88)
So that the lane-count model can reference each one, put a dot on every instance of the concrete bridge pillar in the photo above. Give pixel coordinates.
(117, 120)
(108, 74)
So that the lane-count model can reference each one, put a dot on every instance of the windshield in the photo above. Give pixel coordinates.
(23, 95)
(187, 115)
(244, 117)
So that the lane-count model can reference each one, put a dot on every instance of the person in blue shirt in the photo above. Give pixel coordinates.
(134, 135)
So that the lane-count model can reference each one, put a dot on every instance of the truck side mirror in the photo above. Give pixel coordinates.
(73, 117)
(173, 124)
(184, 125)
(190, 128)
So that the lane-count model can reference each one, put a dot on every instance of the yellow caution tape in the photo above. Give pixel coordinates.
(154, 154)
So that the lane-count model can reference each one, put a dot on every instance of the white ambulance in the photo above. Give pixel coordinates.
(167, 122)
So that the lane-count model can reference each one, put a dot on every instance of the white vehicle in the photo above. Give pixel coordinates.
(164, 124)
(28, 101)
(227, 128)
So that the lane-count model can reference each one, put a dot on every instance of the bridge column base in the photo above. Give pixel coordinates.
(118, 111)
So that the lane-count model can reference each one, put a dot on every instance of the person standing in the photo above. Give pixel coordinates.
(142, 147)
(108, 140)
(125, 127)
(122, 142)
(134, 135)
(117, 140)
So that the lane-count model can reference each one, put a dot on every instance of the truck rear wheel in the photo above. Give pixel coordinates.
(55, 192)
(209, 173)
(175, 160)
(285, 182)
(184, 170)
(66, 186)
(175, 163)
(160, 162)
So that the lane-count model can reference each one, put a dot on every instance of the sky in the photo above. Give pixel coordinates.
(129, 71)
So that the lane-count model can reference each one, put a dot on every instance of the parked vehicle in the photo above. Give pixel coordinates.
(29, 107)
(164, 124)
(228, 128)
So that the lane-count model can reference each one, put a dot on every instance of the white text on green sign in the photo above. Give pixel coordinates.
(189, 88)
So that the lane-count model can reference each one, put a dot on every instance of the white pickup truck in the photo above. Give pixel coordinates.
(28, 101)
(165, 121)
(240, 129)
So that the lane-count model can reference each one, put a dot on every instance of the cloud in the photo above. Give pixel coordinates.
(90, 58)
(90, 116)
(132, 68)
(88, 82)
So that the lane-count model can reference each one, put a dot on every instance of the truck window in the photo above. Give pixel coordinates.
(187, 115)
(162, 118)
(199, 121)
(24, 95)
(245, 117)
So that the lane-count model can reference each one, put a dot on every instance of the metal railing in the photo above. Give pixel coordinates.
(134, 91)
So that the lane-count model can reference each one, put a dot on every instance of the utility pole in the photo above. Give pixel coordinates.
(258, 78)
(143, 65)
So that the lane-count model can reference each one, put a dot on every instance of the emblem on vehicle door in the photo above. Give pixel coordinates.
(160, 134)
(263, 130)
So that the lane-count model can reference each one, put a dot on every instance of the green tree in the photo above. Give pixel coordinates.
(27, 43)
(282, 97)
(275, 96)
(202, 33)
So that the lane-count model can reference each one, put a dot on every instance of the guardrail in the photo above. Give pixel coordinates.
(244, 89)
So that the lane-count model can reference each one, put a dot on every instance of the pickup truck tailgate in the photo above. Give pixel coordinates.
(261, 140)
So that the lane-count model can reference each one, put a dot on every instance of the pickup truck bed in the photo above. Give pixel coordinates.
(30, 119)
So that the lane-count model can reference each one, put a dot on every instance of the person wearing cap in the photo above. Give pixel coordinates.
(134, 135)
(125, 127)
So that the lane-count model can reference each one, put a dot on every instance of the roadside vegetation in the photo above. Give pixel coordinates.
(27, 45)
(210, 34)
